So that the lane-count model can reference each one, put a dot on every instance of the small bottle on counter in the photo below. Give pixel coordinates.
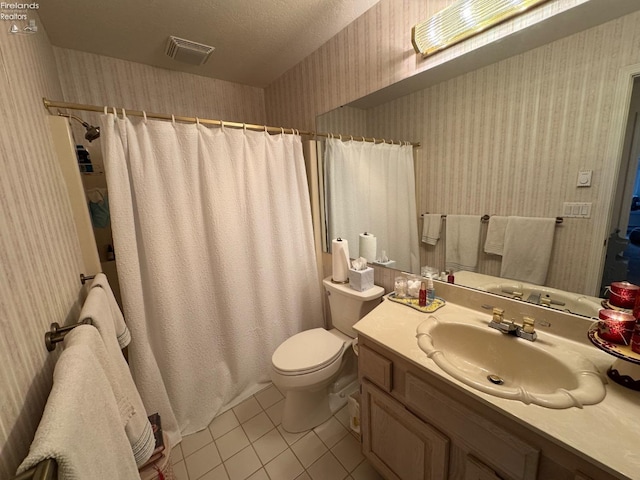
(431, 292)
(450, 277)
(422, 296)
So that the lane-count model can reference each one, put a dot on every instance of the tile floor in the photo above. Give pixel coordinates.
(248, 442)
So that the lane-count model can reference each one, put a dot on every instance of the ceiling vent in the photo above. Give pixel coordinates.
(187, 51)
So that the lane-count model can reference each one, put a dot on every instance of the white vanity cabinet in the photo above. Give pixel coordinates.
(415, 426)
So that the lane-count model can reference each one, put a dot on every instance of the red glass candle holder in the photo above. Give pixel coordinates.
(623, 294)
(635, 339)
(616, 327)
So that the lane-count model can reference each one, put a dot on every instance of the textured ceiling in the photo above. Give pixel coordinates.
(255, 41)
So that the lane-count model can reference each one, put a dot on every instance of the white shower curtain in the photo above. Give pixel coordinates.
(214, 249)
(371, 188)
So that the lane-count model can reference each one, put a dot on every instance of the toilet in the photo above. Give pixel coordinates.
(317, 369)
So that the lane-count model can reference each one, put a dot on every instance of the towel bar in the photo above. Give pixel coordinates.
(45, 470)
(57, 333)
(485, 218)
(84, 278)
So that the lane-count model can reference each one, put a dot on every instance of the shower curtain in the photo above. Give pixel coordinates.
(215, 255)
(371, 188)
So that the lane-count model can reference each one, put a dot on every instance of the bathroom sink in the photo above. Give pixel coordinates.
(557, 299)
(510, 367)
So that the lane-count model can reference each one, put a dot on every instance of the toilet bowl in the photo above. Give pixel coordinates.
(317, 369)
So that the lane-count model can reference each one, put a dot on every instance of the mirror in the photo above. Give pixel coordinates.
(511, 138)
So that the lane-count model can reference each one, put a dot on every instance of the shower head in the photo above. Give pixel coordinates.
(92, 132)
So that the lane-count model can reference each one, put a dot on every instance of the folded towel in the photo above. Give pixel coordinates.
(527, 249)
(462, 242)
(431, 225)
(122, 331)
(79, 427)
(494, 243)
(98, 311)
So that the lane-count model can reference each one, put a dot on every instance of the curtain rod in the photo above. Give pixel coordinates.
(223, 123)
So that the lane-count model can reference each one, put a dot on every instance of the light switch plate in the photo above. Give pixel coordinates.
(584, 178)
(576, 209)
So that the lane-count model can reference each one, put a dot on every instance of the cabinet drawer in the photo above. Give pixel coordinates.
(484, 439)
(397, 443)
(376, 368)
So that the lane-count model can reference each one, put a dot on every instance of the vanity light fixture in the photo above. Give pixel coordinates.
(462, 20)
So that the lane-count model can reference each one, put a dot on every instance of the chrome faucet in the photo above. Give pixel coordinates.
(526, 331)
(534, 297)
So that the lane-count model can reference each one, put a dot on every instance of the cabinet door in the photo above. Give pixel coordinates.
(398, 444)
(476, 470)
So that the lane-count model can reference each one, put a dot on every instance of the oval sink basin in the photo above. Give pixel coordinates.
(509, 367)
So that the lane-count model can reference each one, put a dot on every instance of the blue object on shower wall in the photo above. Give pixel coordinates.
(99, 208)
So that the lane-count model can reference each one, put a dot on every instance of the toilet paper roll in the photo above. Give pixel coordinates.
(367, 244)
(340, 260)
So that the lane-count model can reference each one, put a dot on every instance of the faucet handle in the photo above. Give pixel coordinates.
(498, 315)
(528, 324)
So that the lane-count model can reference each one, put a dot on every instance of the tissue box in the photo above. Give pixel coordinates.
(361, 280)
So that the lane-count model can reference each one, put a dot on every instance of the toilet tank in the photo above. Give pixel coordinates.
(348, 305)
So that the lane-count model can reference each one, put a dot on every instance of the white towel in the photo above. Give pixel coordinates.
(494, 243)
(462, 242)
(79, 427)
(122, 331)
(138, 429)
(527, 249)
(88, 336)
(431, 225)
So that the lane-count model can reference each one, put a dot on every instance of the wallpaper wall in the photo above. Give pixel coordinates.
(506, 139)
(99, 80)
(39, 260)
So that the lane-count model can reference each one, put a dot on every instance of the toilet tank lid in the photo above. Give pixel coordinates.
(344, 288)
(311, 349)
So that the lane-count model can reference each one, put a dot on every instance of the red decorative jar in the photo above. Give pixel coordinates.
(635, 339)
(623, 294)
(616, 327)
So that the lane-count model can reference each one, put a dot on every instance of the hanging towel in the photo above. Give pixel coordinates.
(97, 310)
(80, 426)
(88, 336)
(494, 243)
(99, 207)
(431, 225)
(462, 242)
(527, 249)
(122, 331)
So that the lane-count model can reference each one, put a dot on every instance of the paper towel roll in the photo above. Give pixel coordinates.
(340, 260)
(367, 244)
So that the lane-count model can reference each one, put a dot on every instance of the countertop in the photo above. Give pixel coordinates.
(607, 433)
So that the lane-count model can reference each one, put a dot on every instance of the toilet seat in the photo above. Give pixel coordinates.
(307, 352)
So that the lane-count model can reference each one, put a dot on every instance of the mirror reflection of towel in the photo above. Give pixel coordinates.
(462, 242)
(431, 225)
(527, 249)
